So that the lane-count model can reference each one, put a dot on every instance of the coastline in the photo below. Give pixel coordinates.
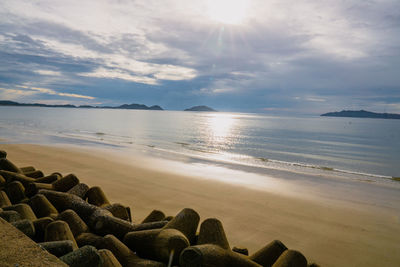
(335, 222)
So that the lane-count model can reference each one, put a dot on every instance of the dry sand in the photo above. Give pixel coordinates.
(332, 222)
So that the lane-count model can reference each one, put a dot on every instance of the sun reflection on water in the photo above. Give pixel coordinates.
(220, 128)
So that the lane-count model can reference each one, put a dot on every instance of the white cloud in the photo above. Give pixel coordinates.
(14, 94)
(31, 90)
(48, 72)
(120, 65)
(53, 92)
(118, 74)
(315, 99)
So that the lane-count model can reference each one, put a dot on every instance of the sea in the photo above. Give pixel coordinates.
(359, 146)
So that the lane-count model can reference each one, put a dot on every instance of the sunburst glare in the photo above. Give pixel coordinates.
(227, 11)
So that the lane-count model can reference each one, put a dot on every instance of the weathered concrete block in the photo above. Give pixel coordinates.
(3, 154)
(76, 224)
(291, 258)
(34, 174)
(83, 257)
(118, 210)
(15, 191)
(90, 239)
(95, 195)
(25, 226)
(241, 250)
(267, 255)
(57, 231)
(7, 165)
(108, 259)
(10, 215)
(24, 210)
(40, 228)
(125, 256)
(186, 221)
(79, 190)
(65, 183)
(212, 232)
(213, 255)
(154, 216)
(42, 206)
(58, 248)
(4, 200)
(157, 244)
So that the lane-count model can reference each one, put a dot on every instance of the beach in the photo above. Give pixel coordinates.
(333, 221)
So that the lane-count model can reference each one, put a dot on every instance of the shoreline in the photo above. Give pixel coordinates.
(335, 222)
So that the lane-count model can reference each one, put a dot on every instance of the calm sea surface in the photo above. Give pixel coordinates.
(344, 144)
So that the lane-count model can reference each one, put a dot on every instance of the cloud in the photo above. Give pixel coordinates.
(48, 72)
(32, 90)
(14, 94)
(118, 74)
(324, 52)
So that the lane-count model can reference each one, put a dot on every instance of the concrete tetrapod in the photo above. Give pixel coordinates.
(268, 255)
(95, 195)
(125, 256)
(186, 221)
(40, 228)
(24, 210)
(49, 178)
(89, 239)
(154, 216)
(65, 183)
(15, 191)
(27, 169)
(10, 215)
(58, 248)
(63, 201)
(14, 176)
(158, 244)
(108, 259)
(118, 227)
(212, 232)
(79, 190)
(84, 257)
(212, 255)
(34, 174)
(75, 223)
(98, 219)
(7, 165)
(291, 258)
(2, 181)
(241, 250)
(3, 154)
(59, 230)
(4, 200)
(42, 207)
(119, 211)
(32, 189)
(25, 226)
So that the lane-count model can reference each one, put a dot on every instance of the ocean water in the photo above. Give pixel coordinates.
(343, 145)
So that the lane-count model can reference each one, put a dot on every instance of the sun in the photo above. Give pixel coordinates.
(227, 11)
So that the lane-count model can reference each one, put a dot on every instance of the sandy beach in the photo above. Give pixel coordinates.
(332, 221)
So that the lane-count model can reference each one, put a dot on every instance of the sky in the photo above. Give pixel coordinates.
(272, 56)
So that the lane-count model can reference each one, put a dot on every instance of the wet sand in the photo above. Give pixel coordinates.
(332, 221)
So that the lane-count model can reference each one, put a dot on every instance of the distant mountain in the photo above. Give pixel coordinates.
(199, 108)
(12, 103)
(362, 114)
(139, 106)
(124, 106)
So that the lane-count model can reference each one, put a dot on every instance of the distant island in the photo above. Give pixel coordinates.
(124, 106)
(362, 114)
(200, 108)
